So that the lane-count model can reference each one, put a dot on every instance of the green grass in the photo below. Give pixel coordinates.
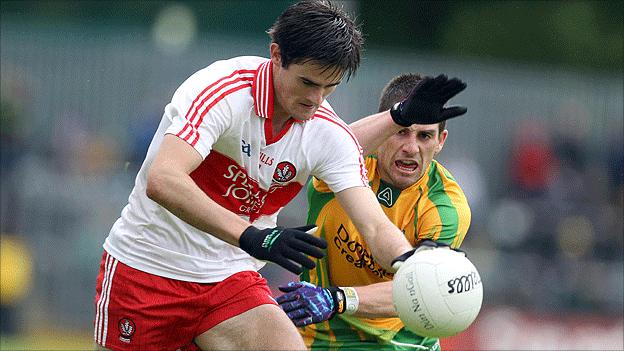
(47, 340)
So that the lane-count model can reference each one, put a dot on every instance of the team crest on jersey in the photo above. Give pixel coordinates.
(284, 172)
(387, 194)
(126, 329)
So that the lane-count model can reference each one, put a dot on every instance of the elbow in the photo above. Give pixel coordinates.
(155, 185)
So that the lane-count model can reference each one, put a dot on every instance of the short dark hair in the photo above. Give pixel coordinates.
(398, 89)
(319, 32)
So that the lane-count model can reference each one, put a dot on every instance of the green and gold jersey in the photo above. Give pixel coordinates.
(434, 207)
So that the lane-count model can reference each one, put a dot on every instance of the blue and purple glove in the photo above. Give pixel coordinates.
(306, 303)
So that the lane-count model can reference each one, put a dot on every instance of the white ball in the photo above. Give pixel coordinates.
(437, 292)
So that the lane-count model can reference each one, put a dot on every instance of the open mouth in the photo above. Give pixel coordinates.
(406, 165)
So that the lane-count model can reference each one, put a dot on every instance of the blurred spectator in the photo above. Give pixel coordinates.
(11, 147)
(615, 169)
(15, 280)
(533, 164)
(140, 133)
(474, 183)
(71, 190)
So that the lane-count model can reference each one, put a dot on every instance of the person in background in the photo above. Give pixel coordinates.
(346, 301)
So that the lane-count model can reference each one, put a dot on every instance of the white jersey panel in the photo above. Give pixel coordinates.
(223, 112)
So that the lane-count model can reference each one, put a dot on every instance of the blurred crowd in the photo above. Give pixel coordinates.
(550, 238)
(560, 216)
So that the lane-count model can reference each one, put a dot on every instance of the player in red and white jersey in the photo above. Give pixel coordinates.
(224, 113)
(237, 142)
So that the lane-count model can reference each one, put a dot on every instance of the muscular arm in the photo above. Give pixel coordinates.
(385, 240)
(375, 301)
(373, 130)
(170, 185)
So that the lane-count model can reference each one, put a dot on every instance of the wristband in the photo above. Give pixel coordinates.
(352, 301)
(339, 299)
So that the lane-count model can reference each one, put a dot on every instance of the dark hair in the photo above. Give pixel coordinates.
(320, 32)
(398, 89)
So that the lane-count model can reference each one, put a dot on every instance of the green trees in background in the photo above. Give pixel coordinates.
(572, 33)
(576, 33)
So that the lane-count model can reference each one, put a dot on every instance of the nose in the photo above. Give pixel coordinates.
(316, 96)
(410, 146)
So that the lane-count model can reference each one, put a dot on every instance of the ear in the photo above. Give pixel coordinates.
(441, 141)
(276, 56)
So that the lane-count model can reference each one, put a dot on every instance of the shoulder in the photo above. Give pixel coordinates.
(439, 172)
(326, 123)
(239, 70)
(220, 81)
(370, 161)
(239, 63)
(441, 181)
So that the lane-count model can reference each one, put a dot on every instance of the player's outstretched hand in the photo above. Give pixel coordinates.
(425, 103)
(306, 304)
(287, 247)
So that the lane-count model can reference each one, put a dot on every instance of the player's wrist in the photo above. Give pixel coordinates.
(247, 239)
(346, 299)
(339, 299)
(352, 300)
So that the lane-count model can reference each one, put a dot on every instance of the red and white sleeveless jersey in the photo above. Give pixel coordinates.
(224, 111)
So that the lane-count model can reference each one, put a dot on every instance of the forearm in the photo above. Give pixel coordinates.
(178, 193)
(384, 239)
(375, 301)
(371, 131)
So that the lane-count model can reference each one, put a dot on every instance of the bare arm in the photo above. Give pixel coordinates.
(386, 241)
(375, 301)
(170, 185)
(373, 130)
(306, 303)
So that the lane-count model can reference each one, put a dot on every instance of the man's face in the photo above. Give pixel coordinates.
(404, 157)
(300, 88)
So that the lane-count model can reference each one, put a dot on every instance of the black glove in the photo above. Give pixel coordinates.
(425, 103)
(283, 246)
(396, 263)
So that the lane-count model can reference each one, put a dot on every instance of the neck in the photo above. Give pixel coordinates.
(278, 122)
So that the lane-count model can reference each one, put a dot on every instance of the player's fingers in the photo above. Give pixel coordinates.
(310, 229)
(453, 111)
(425, 84)
(311, 242)
(290, 266)
(290, 296)
(297, 314)
(299, 257)
(291, 306)
(292, 286)
(440, 81)
(303, 322)
(282, 299)
(454, 87)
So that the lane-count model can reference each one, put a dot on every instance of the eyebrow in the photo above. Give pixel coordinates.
(429, 131)
(317, 84)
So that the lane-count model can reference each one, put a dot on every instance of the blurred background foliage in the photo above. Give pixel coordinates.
(578, 34)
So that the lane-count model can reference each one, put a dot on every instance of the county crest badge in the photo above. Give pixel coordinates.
(126, 329)
(284, 172)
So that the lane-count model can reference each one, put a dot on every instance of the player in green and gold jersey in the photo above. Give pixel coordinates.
(346, 301)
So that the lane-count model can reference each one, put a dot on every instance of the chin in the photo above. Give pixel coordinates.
(405, 181)
(304, 116)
